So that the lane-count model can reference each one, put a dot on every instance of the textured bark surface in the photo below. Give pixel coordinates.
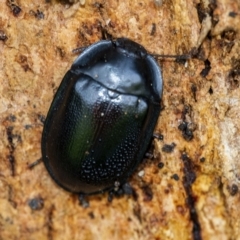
(190, 192)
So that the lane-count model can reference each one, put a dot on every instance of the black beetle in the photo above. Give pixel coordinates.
(102, 117)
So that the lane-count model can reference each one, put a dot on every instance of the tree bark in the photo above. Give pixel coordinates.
(190, 192)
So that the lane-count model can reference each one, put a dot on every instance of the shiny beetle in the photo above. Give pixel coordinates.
(102, 117)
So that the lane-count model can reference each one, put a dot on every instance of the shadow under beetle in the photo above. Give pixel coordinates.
(102, 117)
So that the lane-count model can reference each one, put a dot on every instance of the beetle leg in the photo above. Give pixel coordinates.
(158, 136)
(115, 193)
(35, 163)
(127, 189)
(83, 201)
(149, 155)
(110, 195)
(124, 189)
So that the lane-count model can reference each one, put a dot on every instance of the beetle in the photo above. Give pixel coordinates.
(102, 117)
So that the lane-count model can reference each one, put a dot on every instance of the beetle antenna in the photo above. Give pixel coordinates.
(79, 49)
(178, 57)
(105, 36)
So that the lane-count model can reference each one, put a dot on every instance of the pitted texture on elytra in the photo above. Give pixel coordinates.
(114, 166)
(102, 140)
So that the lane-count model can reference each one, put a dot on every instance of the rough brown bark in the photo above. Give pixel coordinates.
(195, 193)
